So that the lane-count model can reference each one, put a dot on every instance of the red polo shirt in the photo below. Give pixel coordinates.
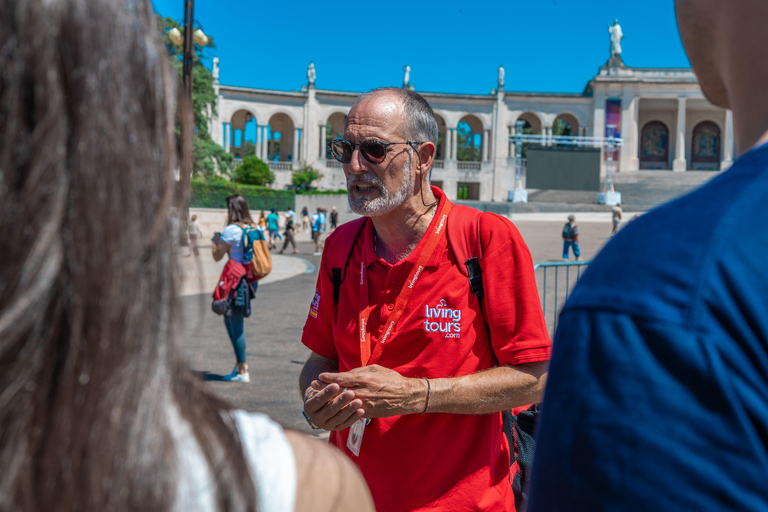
(434, 461)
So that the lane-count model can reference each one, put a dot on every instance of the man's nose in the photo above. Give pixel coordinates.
(358, 164)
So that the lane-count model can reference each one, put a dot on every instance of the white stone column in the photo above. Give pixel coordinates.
(680, 163)
(629, 160)
(727, 141)
(295, 152)
(486, 143)
(227, 136)
(454, 142)
(322, 141)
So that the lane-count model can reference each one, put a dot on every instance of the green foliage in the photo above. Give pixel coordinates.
(560, 127)
(254, 171)
(208, 157)
(465, 152)
(303, 178)
(208, 194)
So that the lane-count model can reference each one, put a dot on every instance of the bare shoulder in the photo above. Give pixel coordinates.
(327, 480)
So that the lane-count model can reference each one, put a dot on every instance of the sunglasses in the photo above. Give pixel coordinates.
(374, 151)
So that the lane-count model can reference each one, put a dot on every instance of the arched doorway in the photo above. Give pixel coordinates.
(654, 146)
(243, 134)
(442, 131)
(281, 135)
(565, 124)
(705, 147)
(469, 139)
(334, 129)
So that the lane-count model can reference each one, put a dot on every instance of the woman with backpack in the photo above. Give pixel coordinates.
(235, 290)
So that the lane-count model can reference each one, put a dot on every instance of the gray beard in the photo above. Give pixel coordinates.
(386, 202)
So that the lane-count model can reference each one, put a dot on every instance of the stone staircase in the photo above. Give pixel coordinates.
(640, 190)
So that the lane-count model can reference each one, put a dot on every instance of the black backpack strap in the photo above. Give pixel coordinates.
(475, 275)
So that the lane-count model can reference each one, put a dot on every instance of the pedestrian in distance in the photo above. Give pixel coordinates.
(99, 408)
(305, 224)
(194, 233)
(616, 218)
(571, 238)
(317, 230)
(262, 225)
(289, 235)
(273, 228)
(658, 391)
(405, 371)
(334, 218)
(234, 278)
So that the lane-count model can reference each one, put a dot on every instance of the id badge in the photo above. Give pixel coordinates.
(355, 436)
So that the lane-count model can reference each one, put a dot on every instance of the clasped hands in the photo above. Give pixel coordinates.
(336, 400)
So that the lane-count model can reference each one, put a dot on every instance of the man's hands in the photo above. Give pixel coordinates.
(336, 400)
(331, 407)
(382, 392)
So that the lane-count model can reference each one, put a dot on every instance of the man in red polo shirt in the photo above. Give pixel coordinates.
(403, 369)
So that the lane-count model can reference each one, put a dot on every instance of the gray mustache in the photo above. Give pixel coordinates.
(352, 179)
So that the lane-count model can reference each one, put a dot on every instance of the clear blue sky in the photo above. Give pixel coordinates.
(451, 46)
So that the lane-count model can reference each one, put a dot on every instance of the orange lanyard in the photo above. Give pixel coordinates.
(367, 354)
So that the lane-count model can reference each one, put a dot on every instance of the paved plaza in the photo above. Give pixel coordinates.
(273, 332)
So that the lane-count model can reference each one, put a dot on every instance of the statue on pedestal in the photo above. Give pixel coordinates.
(311, 74)
(501, 77)
(616, 36)
(407, 77)
(215, 72)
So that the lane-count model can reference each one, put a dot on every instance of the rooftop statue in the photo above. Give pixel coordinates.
(407, 77)
(311, 73)
(501, 77)
(616, 36)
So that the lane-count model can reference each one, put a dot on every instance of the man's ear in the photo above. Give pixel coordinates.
(427, 154)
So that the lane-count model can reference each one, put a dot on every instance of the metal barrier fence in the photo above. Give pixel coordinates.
(552, 297)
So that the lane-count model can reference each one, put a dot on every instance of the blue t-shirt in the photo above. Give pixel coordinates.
(233, 235)
(272, 221)
(657, 397)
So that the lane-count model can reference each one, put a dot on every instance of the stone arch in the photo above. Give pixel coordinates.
(706, 146)
(242, 132)
(469, 139)
(334, 128)
(568, 125)
(654, 146)
(533, 120)
(442, 133)
(280, 141)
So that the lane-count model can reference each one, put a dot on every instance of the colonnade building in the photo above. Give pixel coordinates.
(660, 113)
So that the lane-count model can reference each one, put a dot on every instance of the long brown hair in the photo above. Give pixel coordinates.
(237, 210)
(89, 369)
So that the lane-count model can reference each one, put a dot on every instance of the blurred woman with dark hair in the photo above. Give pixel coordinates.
(98, 410)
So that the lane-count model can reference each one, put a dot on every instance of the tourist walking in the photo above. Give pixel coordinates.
(194, 233)
(234, 283)
(305, 225)
(262, 225)
(272, 228)
(289, 238)
(616, 220)
(334, 218)
(317, 230)
(99, 407)
(571, 238)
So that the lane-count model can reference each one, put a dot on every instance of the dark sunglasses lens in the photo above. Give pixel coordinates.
(374, 151)
(342, 151)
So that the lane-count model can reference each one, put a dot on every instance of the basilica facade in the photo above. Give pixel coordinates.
(661, 115)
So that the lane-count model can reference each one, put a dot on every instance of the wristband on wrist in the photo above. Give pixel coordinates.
(429, 393)
(307, 396)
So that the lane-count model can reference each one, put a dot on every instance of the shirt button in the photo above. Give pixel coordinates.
(393, 280)
(391, 307)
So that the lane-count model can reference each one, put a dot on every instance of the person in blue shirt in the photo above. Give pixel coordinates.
(273, 228)
(657, 397)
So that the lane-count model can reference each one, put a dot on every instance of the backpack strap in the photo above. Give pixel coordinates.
(464, 238)
(340, 251)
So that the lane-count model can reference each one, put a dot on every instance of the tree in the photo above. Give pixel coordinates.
(254, 171)
(304, 177)
(208, 157)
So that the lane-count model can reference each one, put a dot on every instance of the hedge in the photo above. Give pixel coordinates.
(213, 194)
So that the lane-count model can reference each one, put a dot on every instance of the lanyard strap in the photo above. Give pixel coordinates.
(368, 354)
